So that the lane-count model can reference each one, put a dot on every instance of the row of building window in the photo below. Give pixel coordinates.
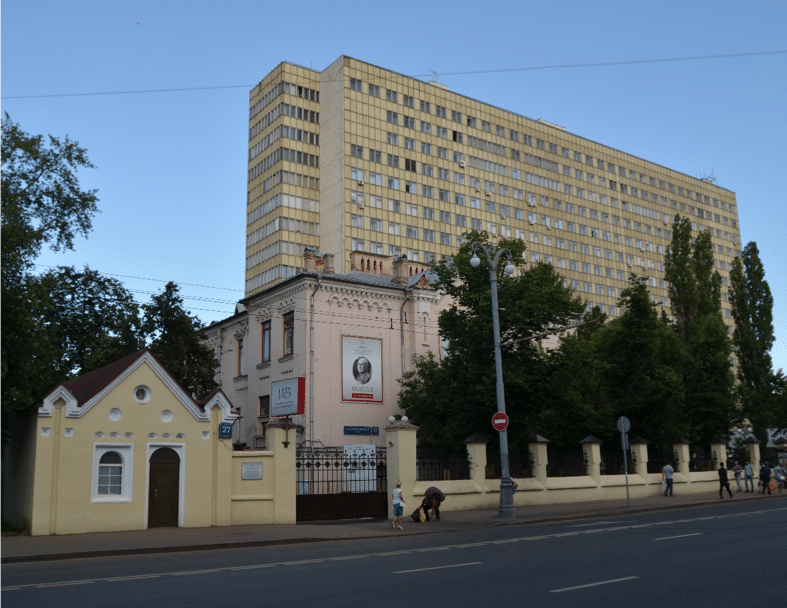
(513, 135)
(429, 170)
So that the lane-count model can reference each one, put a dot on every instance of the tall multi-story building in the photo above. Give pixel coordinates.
(359, 158)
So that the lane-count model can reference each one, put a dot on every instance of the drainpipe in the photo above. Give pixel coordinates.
(311, 362)
(407, 292)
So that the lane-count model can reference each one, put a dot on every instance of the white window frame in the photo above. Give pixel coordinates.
(126, 453)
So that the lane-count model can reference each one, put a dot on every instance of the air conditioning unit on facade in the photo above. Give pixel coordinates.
(360, 182)
(462, 164)
(531, 222)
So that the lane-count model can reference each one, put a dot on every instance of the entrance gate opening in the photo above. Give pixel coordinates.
(336, 483)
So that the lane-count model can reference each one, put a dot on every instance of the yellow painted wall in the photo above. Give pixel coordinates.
(51, 473)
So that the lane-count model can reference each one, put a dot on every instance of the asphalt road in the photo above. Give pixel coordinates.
(723, 556)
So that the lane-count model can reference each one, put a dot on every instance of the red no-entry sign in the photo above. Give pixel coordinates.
(500, 421)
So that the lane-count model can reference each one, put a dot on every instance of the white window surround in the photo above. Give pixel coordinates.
(126, 452)
(180, 449)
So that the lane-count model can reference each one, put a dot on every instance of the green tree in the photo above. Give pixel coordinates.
(176, 339)
(456, 397)
(695, 294)
(92, 320)
(644, 367)
(753, 338)
(42, 202)
(694, 287)
(630, 367)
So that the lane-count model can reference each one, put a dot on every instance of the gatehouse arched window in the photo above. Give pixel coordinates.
(110, 474)
(113, 465)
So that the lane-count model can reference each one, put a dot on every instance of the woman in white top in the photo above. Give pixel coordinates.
(398, 506)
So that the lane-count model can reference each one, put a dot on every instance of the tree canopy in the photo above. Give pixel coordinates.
(456, 397)
(176, 339)
(42, 203)
(67, 322)
(753, 338)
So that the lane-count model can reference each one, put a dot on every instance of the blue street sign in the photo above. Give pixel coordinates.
(225, 430)
(362, 430)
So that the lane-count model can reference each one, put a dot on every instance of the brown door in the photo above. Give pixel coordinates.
(163, 491)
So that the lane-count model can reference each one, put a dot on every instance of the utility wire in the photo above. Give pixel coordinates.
(125, 276)
(432, 75)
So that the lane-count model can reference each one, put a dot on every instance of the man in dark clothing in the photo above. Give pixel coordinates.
(765, 477)
(723, 483)
(432, 499)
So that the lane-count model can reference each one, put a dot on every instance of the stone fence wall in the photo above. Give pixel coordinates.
(481, 493)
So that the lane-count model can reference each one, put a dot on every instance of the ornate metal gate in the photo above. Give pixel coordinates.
(337, 483)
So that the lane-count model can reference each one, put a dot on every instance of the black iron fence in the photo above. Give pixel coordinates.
(657, 460)
(613, 463)
(431, 466)
(518, 466)
(702, 460)
(568, 464)
(332, 471)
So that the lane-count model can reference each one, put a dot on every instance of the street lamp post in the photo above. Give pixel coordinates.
(506, 508)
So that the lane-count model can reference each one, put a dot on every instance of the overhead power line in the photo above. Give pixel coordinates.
(432, 75)
(125, 276)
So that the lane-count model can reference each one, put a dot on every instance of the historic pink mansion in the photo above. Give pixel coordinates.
(349, 336)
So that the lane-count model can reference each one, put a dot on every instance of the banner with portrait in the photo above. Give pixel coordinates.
(362, 372)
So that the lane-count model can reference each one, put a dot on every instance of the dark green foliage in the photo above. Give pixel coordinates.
(456, 397)
(42, 200)
(42, 203)
(628, 367)
(694, 287)
(695, 294)
(67, 322)
(92, 320)
(753, 338)
(176, 339)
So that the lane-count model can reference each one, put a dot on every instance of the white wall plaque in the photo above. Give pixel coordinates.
(251, 470)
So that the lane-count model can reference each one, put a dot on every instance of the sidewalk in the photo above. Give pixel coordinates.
(17, 549)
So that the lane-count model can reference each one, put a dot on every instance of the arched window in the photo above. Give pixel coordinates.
(110, 474)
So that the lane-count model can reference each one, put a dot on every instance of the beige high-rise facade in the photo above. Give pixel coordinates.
(359, 158)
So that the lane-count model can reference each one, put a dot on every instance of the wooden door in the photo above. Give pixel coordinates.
(163, 491)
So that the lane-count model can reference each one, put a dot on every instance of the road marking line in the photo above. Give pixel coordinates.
(64, 584)
(615, 580)
(681, 536)
(438, 568)
(132, 578)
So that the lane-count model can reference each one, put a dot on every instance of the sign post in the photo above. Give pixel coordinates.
(500, 421)
(624, 426)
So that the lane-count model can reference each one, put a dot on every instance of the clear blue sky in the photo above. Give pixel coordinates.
(171, 166)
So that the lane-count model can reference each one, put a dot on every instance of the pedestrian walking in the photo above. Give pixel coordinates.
(398, 506)
(748, 473)
(737, 470)
(765, 478)
(666, 477)
(723, 482)
(779, 475)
